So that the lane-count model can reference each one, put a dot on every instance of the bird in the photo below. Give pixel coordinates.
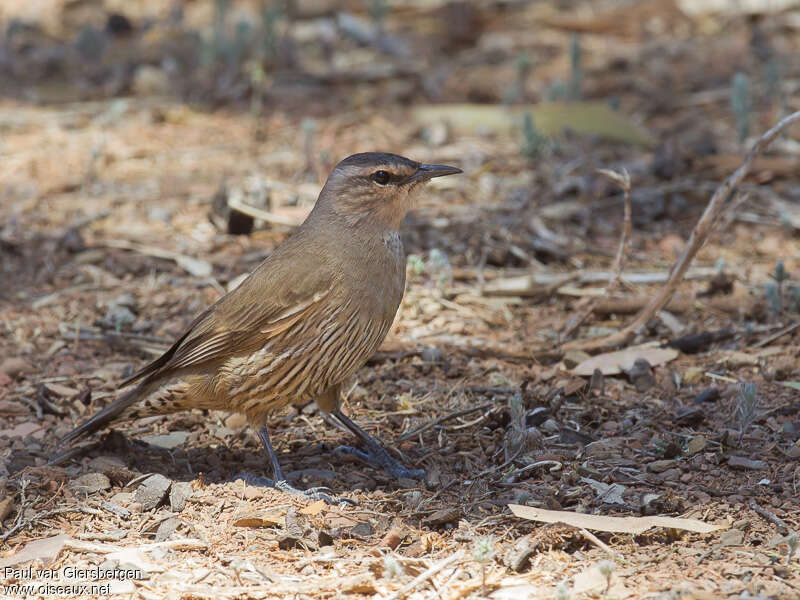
(302, 323)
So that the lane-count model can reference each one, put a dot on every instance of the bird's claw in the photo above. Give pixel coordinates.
(315, 493)
(377, 456)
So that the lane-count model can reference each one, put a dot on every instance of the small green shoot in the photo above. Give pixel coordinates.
(741, 104)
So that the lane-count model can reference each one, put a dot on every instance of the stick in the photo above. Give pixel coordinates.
(772, 518)
(425, 575)
(696, 240)
(624, 181)
(236, 204)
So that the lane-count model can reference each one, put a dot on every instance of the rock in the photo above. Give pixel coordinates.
(673, 474)
(179, 494)
(168, 440)
(152, 491)
(659, 466)
(689, 415)
(641, 375)
(740, 462)
(116, 509)
(362, 529)
(90, 483)
(392, 538)
(794, 451)
(518, 557)
(441, 517)
(167, 528)
(693, 374)
(696, 444)
(113, 468)
(14, 367)
(708, 395)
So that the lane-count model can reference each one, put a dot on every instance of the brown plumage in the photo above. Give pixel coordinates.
(305, 319)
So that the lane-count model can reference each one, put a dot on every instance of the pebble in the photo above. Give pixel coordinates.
(14, 367)
(659, 466)
(152, 491)
(179, 494)
(90, 483)
(641, 375)
(740, 462)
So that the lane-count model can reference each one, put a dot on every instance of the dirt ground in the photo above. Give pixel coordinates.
(112, 241)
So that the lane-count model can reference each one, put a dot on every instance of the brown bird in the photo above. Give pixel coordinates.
(305, 319)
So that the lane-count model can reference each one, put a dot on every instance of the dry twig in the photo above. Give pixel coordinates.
(698, 237)
(624, 181)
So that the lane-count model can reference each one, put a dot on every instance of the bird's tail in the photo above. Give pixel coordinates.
(110, 413)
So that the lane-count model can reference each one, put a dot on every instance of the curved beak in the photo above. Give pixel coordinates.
(426, 172)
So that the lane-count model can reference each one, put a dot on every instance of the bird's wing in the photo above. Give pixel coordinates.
(266, 304)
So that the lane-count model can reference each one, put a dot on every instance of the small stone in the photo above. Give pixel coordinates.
(696, 444)
(441, 517)
(324, 538)
(689, 415)
(641, 375)
(671, 475)
(708, 395)
(179, 494)
(152, 491)
(116, 509)
(122, 498)
(362, 529)
(794, 451)
(14, 367)
(392, 538)
(693, 374)
(659, 466)
(90, 483)
(740, 462)
(167, 528)
(432, 354)
(169, 440)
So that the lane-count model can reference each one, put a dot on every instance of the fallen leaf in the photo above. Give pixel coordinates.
(314, 509)
(45, 550)
(258, 520)
(610, 524)
(614, 363)
(551, 118)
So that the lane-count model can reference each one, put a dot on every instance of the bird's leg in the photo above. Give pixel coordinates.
(280, 483)
(374, 453)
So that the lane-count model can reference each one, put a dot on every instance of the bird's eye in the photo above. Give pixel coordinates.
(381, 177)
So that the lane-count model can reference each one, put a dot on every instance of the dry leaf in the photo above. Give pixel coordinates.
(312, 510)
(256, 520)
(613, 363)
(551, 118)
(610, 524)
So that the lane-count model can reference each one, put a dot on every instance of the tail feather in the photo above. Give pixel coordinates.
(106, 416)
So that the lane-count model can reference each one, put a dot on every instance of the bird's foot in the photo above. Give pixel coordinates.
(315, 493)
(377, 456)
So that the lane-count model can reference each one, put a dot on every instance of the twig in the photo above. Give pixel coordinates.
(235, 203)
(698, 237)
(425, 575)
(600, 544)
(624, 181)
(772, 518)
(20, 525)
(776, 335)
(442, 419)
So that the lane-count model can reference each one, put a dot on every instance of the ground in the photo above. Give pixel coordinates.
(110, 245)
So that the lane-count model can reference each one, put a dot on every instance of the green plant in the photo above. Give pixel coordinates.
(483, 552)
(746, 407)
(793, 542)
(606, 568)
(378, 9)
(575, 68)
(741, 104)
(439, 267)
(534, 143)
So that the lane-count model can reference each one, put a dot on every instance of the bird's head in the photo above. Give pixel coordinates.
(377, 187)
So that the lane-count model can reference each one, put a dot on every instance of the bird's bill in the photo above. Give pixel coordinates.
(425, 172)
